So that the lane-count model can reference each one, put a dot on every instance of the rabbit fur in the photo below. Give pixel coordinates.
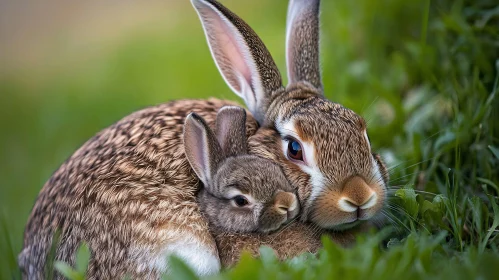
(241, 192)
(130, 193)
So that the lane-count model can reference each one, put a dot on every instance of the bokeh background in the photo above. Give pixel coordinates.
(71, 68)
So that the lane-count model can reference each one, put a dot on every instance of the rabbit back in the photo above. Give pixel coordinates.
(130, 193)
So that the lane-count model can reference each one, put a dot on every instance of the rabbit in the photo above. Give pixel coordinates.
(130, 193)
(241, 192)
(322, 147)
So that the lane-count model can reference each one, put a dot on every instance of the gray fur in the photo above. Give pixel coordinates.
(259, 180)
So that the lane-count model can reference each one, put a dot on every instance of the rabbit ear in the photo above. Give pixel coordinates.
(201, 148)
(302, 42)
(240, 55)
(231, 130)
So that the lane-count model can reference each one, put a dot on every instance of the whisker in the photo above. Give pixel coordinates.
(286, 225)
(423, 161)
(393, 217)
(370, 105)
(433, 135)
(403, 177)
(316, 231)
(378, 222)
(398, 228)
(404, 212)
(396, 188)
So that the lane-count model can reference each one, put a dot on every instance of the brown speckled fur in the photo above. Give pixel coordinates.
(129, 185)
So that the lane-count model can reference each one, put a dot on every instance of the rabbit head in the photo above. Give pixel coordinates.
(241, 192)
(321, 146)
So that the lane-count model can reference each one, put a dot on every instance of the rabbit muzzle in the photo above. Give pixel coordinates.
(281, 210)
(343, 208)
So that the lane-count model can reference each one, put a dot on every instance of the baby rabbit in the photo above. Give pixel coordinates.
(241, 193)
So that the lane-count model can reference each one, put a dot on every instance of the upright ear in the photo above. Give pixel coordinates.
(302, 42)
(231, 130)
(240, 55)
(201, 148)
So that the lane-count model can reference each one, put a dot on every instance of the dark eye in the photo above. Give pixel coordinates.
(294, 150)
(240, 200)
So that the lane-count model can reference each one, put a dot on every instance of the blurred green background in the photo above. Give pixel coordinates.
(416, 70)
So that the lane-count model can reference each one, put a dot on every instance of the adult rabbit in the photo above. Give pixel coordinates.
(322, 146)
(127, 191)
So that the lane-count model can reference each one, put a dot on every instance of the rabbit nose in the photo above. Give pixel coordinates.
(285, 202)
(357, 194)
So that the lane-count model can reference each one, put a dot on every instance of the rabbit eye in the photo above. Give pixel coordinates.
(240, 201)
(295, 150)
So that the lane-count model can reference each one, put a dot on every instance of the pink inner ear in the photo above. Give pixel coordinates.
(228, 50)
(236, 58)
(293, 13)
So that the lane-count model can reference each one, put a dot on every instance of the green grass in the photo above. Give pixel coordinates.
(423, 73)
